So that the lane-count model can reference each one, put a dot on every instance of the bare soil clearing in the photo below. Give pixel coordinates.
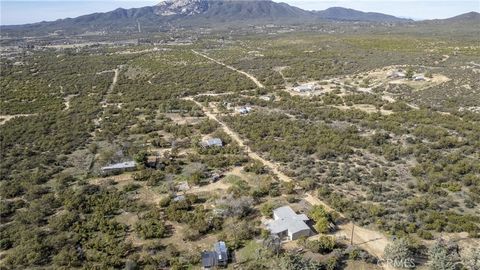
(367, 81)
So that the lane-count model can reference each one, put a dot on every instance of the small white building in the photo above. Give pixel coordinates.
(287, 223)
(419, 78)
(119, 167)
(244, 110)
(308, 87)
(266, 98)
(213, 142)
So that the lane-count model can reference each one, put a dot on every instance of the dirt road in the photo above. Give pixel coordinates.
(240, 142)
(104, 103)
(372, 241)
(112, 86)
(258, 83)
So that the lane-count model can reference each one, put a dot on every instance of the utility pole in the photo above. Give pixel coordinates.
(351, 238)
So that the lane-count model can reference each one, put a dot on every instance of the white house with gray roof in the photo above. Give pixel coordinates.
(119, 167)
(287, 223)
(307, 87)
(212, 142)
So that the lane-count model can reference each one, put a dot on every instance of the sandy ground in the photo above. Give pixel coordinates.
(183, 120)
(67, 101)
(422, 85)
(366, 81)
(258, 83)
(220, 185)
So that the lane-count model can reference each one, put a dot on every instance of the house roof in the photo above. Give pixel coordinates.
(287, 220)
(286, 212)
(179, 198)
(221, 250)
(208, 258)
(245, 109)
(122, 165)
(290, 225)
(212, 142)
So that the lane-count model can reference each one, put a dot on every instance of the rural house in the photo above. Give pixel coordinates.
(244, 110)
(119, 167)
(304, 88)
(217, 257)
(419, 78)
(212, 142)
(287, 223)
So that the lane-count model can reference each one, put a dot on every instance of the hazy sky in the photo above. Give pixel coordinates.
(21, 11)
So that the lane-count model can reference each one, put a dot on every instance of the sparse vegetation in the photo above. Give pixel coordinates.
(398, 156)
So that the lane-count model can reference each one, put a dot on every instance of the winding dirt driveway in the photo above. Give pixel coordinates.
(240, 142)
(257, 82)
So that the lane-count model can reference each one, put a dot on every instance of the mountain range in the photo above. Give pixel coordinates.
(208, 13)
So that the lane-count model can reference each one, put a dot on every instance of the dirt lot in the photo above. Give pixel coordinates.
(365, 82)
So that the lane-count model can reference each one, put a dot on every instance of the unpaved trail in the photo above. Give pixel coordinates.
(258, 83)
(372, 241)
(67, 101)
(112, 86)
(103, 103)
(240, 142)
(5, 117)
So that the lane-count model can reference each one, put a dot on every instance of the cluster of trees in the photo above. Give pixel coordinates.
(283, 139)
(83, 233)
(322, 219)
(324, 244)
(150, 176)
(199, 219)
(151, 225)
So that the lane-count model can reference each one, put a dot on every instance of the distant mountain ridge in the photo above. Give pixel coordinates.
(346, 14)
(209, 13)
(470, 16)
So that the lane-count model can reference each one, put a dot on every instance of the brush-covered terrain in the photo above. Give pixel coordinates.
(386, 138)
